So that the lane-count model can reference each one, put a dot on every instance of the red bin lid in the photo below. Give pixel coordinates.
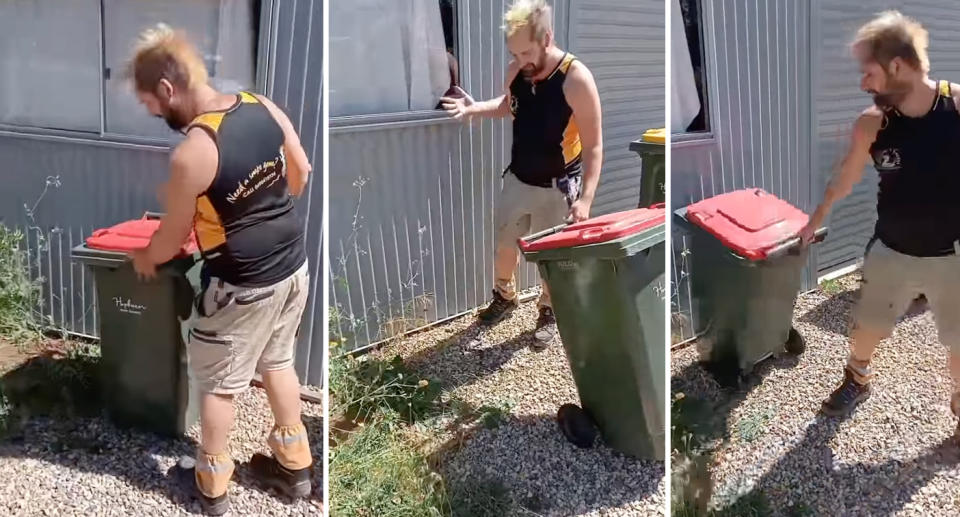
(600, 229)
(133, 235)
(750, 222)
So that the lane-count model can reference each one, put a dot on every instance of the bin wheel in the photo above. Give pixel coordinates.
(577, 425)
(795, 344)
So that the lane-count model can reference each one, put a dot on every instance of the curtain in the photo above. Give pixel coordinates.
(684, 101)
(50, 64)
(386, 56)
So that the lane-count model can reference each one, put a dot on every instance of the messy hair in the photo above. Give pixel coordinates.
(891, 35)
(163, 53)
(535, 14)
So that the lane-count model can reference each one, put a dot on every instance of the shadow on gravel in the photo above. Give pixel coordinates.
(864, 489)
(700, 423)
(470, 353)
(62, 425)
(833, 315)
(524, 466)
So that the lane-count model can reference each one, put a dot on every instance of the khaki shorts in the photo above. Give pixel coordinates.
(891, 280)
(245, 330)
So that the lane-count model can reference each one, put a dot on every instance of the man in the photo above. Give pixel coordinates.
(557, 148)
(911, 134)
(231, 181)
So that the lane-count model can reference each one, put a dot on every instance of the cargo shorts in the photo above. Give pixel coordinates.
(238, 331)
(891, 280)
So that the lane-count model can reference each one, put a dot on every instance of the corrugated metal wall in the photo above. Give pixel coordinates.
(758, 64)
(622, 42)
(839, 101)
(296, 83)
(91, 184)
(412, 203)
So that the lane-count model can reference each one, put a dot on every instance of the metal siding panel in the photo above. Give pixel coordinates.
(297, 85)
(98, 186)
(622, 43)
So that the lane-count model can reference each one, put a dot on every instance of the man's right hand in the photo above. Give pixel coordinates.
(457, 106)
(806, 233)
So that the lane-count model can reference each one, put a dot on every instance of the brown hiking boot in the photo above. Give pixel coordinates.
(498, 309)
(848, 396)
(295, 484)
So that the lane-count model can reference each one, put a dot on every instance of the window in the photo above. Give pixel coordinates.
(689, 106)
(225, 31)
(51, 74)
(50, 64)
(391, 57)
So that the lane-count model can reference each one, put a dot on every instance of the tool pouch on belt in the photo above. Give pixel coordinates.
(570, 186)
(211, 297)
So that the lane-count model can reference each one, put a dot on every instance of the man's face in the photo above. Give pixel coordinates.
(530, 54)
(163, 106)
(887, 85)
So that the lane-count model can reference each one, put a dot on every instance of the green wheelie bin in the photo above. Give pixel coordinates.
(143, 365)
(606, 283)
(747, 269)
(653, 171)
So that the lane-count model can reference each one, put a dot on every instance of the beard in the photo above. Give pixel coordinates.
(893, 96)
(174, 119)
(533, 69)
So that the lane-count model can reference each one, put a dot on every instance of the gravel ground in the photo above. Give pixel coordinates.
(95, 469)
(894, 456)
(526, 455)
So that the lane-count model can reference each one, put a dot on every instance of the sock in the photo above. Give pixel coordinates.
(290, 446)
(213, 473)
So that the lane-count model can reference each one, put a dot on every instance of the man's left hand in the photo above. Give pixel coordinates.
(144, 266)
(579, 211)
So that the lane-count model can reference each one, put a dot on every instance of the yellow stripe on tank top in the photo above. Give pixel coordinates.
(206, 223)
(211, 120)
(571, 141)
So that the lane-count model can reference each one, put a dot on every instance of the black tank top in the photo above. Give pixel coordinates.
(246, 225)
(546, 140)
(919, 169)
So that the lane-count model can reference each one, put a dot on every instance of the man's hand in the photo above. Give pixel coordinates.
(806, 233)
(144, 266)
(579, 210)
(458, 106)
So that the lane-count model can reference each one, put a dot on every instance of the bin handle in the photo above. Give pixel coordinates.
(792, 246)
(153, 215)
(524, 242)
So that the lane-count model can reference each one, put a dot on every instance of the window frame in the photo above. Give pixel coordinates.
(411, 118)
(269, 10)
(707, 79)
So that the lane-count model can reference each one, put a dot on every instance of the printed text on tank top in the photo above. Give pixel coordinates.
(245, 223)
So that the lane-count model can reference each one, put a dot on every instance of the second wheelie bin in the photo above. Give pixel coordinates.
(606, 283)
(747, 270)
(653, 171)
(143, 364)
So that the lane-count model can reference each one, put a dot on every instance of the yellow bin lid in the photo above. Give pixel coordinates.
(658, 135)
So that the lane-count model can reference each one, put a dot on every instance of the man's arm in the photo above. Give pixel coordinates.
(193, 166)
(850, 170)
(580, 90)
(298, 165)
(497, 107)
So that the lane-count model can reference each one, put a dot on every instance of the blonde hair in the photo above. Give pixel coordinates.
(163, 53)
(535, 14)
(891, 35)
